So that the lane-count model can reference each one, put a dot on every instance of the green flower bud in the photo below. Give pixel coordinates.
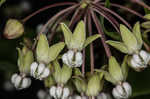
(93, 87)
(146, 25)
(13, 29)
(147, 16)
(25, 59)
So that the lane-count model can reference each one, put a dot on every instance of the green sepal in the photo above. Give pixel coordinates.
(91, 39)
(49, 81)
(146, 25)
(118, 45)
(77, 72)
(115, 69)
(129, 39)
(57, 71)
(54, 50)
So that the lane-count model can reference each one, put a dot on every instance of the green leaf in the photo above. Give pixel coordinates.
(54, 50)
(42, 49)
(20, 57)
(146, 11)
(125, 68)
(137, 33)
(79, 36)
(129, 39)
(107, 3)
(115, 69)
(91, 39)
(2, 1)
(118, 45)
(67, 34)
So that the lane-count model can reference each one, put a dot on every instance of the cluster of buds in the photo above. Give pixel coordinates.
(140, 61)
(122, 91)
(75, 42)
(39, 71)
(59, 92)
(20, 81)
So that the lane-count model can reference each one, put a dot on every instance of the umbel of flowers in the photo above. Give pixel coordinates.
(25, 59)
(75, 42)
(44, 55)
(131, 45)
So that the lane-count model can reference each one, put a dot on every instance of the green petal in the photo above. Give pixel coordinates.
(115, 69)
(42, 49)
(67, 34)
(79, 36)
(91, 39)
(129, 39)
(54, 50)
(118, 45)
(137, 33)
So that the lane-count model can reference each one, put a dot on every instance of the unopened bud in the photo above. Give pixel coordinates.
(13, 29)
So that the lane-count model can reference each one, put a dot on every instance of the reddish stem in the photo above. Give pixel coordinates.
(141, 3)
(91, 45)
(115, 14)
(45, 8)
(113, 21)
(125, 8)
(100, 31)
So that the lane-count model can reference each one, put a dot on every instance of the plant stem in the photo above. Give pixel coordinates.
(115, 14)
(113, 21)
(45, 8)
(125, 8)
(91, 45)
(140, 2)
(100, 31)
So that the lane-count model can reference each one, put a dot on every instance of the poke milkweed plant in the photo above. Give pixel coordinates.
(69, 79)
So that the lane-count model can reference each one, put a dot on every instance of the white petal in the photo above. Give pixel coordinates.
(13, 77)
(78, 59)
(137, 58)
(70, 55)
(41, 68)
(116, 94)
(65, 59)
(18, 81)
(127, 88)
(135, 64)
(59, 91)
(120, 90)
(145, 56)
(45, 73)
(66, 93)
(102, 96)
(26, 82)
(52, 91)
(33, 68)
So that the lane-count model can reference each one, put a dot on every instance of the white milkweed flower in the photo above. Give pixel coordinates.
(140, 61)
(104, 96)
(122, 91)
(20, 82)
(39, 71)
(72, 59)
